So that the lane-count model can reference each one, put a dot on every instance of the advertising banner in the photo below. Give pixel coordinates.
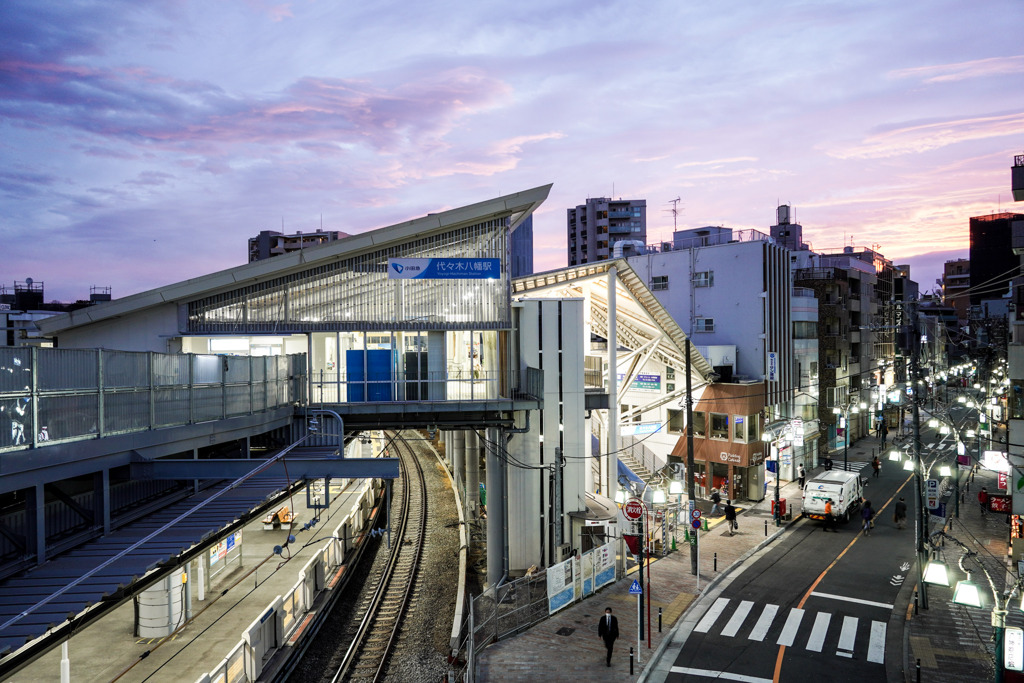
(561, 586)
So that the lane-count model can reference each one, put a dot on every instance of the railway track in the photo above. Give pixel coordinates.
(378, 617)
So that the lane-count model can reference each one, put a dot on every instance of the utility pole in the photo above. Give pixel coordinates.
(922, 524)
(691, 486)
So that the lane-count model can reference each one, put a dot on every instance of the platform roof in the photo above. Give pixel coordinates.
(642, 320)
(516, 207)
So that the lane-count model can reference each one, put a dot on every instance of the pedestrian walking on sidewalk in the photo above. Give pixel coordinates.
(885, 432)
(829, 519)
(716, 498)
(730, 517)
(900, 514)
(802, 477)
(983, 500)
(867, 514)
(876, 465)
(827, 463)
(608, 630)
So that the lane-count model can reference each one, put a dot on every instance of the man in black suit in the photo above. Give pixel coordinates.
(608, 629)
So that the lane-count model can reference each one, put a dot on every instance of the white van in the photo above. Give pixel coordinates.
(844, 488)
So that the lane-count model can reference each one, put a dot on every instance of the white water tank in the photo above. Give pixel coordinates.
(161, 607)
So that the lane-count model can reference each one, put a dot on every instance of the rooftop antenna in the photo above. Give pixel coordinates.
(675, 212)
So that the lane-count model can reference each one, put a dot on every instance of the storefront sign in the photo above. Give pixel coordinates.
(773, 366)
(729, 457)
(995, 461)
(999, 503)
(444, 268)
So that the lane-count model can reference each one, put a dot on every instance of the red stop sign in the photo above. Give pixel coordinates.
(633, 509)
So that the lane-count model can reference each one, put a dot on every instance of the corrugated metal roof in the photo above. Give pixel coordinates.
(27, 610)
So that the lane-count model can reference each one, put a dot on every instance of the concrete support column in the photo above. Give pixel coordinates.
(472, 474)
(612, 448)
(496, 494)
(457, 439)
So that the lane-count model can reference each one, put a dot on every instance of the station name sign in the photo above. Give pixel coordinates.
(444, 268)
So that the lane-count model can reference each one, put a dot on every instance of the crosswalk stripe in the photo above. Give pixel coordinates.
(764, 622)
(737, 619)
(788, 634)
(719, 675)
(712, 615)
(817, 638)
(848, 636)
(876, 645)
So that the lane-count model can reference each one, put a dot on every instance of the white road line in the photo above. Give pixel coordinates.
(817, 639)
(737, 618)
(720, 675)
(848, 636)
(708, 621)
(876, 645)
(788, 634)
(831, 596)
(764, 622)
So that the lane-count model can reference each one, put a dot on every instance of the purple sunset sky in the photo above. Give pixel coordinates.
(144, 142)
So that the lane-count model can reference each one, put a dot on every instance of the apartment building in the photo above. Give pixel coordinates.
(596, 228)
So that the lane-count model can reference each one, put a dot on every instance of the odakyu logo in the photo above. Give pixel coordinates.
(398, 267)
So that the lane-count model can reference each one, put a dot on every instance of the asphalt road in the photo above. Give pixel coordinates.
(817, 606)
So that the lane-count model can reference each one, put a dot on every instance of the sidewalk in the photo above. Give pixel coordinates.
(567, 642)
(953, 642)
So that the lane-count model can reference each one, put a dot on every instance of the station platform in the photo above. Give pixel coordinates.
(239, 592)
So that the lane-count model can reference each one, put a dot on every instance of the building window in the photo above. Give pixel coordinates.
(699, 424)
(739, 428)
(705, 325)
(719, 426)
(805, 330)
(659, 282)
(704, 278)
(676, 421)
(670, 387)
(670, 372)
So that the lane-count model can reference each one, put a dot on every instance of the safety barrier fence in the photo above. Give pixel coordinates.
(271, 630)
(510, 608)
(54, 395)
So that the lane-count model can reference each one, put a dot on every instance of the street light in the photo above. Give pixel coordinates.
(855, 407)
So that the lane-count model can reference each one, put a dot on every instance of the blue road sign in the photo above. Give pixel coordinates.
(635, 589)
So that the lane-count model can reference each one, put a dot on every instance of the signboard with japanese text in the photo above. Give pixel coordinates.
(1013, 648)
(999, 503)
(444, 268)
(643, 382)
(639, 428)
(561, 585)
(772, 374)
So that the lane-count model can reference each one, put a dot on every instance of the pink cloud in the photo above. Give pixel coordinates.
(977, 68)
(917, 138)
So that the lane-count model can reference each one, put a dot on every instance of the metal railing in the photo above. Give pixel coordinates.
(56, 395)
